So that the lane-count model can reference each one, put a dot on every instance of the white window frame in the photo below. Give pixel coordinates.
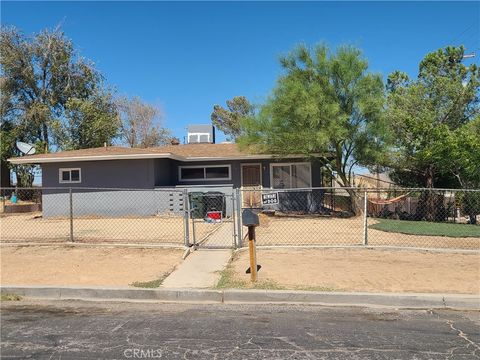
(60, 178)
(204, 167)
(290, 165)
(198, 137)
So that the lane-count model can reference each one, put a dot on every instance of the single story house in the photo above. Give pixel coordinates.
(195, 166)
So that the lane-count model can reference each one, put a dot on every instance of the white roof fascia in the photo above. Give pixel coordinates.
(27, 160)
(244, 157)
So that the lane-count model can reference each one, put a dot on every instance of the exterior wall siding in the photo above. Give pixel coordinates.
(163, 172)
(151, 173)
(129, 174)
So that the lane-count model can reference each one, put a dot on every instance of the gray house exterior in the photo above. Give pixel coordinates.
(129, 181)
(155, 173)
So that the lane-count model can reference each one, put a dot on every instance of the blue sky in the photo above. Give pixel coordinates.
(188, 56)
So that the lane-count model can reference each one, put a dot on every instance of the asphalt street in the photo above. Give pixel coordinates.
(101, 330)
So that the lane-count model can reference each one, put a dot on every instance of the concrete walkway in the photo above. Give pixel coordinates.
(221, 237)
(201, 269)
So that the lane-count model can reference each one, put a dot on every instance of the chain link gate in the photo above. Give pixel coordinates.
(212, 220)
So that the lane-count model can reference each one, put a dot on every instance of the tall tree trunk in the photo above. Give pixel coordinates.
(353, 194)
(473, 217)
(45, 136)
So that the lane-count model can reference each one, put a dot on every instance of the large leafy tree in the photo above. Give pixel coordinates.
(46, 89)
(229, 119)
(461, 158)
(436, 136)
(326, 104)
(459, 155)
(430, 118)
(141, 123)
(89, 122)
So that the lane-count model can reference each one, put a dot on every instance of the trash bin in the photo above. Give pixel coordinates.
(197, 205)
(215, 201)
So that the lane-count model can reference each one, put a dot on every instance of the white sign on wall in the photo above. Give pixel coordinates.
(270, 198)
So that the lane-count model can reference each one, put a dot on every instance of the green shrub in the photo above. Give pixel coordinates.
(470, 205)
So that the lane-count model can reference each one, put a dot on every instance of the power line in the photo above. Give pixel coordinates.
(463, 32)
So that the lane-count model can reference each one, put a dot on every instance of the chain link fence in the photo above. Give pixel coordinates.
(93, 215)
(306, 217)
(427, 218)
(417, 218)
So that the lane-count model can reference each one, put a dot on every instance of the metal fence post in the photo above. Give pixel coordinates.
(238, 203)
(71, 215)
(186, 207)
(365, 221)
(234, 221)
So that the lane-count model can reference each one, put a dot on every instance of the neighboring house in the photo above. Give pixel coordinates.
(196, 166)
(367, 181)
(374, 181)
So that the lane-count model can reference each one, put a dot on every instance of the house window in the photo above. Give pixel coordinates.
(204, 173)
(291, 176)
(221, 172)
(192, 173)
(70, 176)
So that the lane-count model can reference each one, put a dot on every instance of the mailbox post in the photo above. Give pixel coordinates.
(250, 220)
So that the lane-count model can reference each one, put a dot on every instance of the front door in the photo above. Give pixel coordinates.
(251, 185)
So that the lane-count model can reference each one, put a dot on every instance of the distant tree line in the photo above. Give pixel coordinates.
(57, 100)
(425, 131)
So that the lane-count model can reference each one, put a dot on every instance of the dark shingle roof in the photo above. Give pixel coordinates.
(180, 152)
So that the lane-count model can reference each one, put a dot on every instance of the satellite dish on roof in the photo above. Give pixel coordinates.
(25, 148)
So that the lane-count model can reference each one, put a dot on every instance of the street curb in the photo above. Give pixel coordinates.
(234, 296)
(396, 300)
(115, 294)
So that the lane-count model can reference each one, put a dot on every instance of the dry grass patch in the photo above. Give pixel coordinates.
(369, 270)
(10, 297)
(85, 266)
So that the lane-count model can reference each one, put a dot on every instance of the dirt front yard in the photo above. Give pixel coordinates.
(32, 227)
(369, 270)
(84, 266)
